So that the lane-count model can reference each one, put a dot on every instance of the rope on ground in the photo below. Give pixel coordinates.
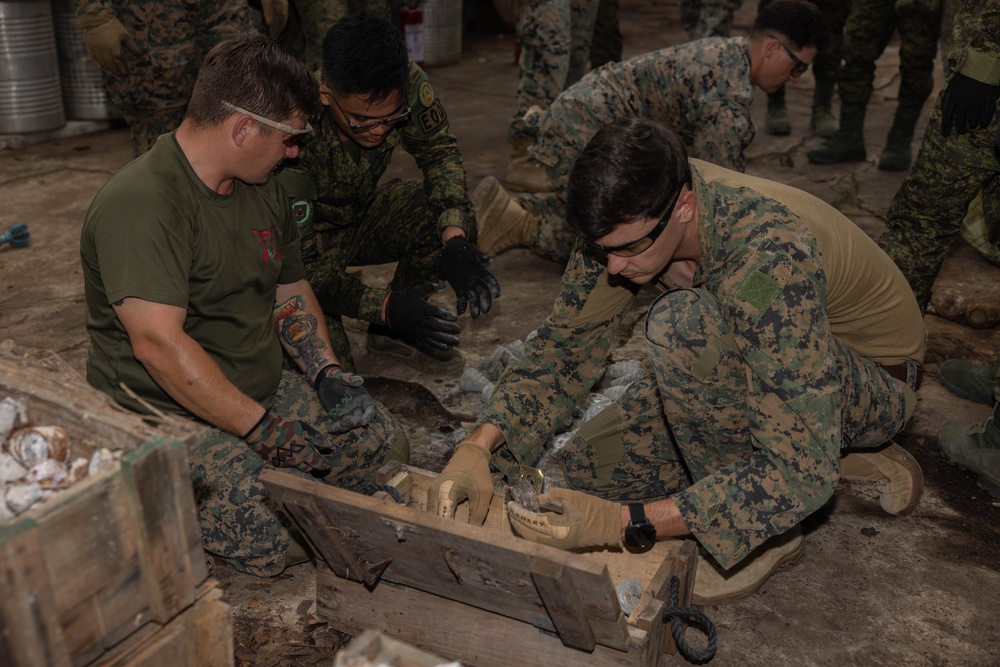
(676, 613)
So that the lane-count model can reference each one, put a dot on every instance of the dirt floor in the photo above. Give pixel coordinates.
(872, 589)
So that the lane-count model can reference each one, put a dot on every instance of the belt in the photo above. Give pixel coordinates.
(909, 373)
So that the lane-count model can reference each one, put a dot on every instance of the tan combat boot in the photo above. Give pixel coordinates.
(525, 173)
(502, 223)
(715, 586)
(896, 473)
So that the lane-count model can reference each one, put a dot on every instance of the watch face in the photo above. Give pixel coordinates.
(640, 537)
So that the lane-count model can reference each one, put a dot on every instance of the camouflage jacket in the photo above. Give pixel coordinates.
(976, 48)
(701, 89)
(333, 183)
(792, 273)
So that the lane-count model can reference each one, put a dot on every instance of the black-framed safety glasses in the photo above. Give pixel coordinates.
(365, 127)
(799, 67)
(633, 248)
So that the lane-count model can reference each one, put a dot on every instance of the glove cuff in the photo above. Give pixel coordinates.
(323, 372)
(246, 436)
(91, 19)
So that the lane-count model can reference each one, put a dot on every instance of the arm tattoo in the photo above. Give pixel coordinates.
(297, 328)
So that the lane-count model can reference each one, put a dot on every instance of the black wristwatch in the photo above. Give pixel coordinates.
(640, 534)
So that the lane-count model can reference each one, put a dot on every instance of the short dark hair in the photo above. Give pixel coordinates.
(366, 56)
(630, 170)
(252, 72)
(799, 21)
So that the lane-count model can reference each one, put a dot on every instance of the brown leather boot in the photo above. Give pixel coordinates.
(895, 472)
(525, 173)
(502, 223)
(715, 586)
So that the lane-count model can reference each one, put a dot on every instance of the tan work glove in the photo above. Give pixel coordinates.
(582, 521)
(275, 16)
(466, 477)
(105, 36)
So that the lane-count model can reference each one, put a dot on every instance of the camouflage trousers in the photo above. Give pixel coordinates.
(925, 217)
(309, 21)
(172, 37)
(239, 523)
(870, 26)
(553, 239)
(555, 53)
(399, 226)
(707, 18)
(607, 43)
(693, 416)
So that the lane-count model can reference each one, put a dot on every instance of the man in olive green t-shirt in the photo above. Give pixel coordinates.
(195, 291)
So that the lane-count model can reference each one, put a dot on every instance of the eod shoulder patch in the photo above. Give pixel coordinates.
(432, 118)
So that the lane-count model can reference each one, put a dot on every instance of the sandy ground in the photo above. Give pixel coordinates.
(872, 589)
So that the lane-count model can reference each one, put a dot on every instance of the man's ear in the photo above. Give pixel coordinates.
(686, 206)
(324, 94)
(241, 130)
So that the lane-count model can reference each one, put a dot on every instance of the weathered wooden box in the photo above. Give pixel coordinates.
(92, 573)
(478, 594)
(374, 649)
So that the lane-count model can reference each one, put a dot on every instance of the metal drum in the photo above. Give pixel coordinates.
(442, 32)
(82, 87)
(30, 94)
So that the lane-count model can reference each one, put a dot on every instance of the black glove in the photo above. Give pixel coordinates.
(288, 443)
(341, 395)
(464, 266)
(409, 313)
(967, 103)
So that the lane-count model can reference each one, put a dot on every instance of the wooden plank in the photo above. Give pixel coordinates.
(90, 548)
(458, 632)
(29, 624)
(158, 480)
(562, 604)
(327, 544)
(469, 564)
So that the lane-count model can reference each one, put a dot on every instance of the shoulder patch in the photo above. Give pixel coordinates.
(758, 290)
(426, 94)
(432, 118)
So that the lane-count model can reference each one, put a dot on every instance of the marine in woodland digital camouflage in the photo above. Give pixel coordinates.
(173, 37)
(926, 214)
(239, 522)
(701, 90)
(752, 361)
(555, 53)
(348, 219)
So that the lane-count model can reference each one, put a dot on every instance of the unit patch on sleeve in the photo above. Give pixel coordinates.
(432, 118)
(426, 94)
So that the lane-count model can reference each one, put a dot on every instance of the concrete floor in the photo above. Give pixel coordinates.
(872, 589)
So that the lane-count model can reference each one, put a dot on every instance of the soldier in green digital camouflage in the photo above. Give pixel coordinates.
(870, 26)
(958, 157)
(702, 89)
(375, 99)
(150, 53)
(785, 349)
(196, 293)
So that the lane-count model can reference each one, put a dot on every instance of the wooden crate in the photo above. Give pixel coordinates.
(118, 553)
(478, 594)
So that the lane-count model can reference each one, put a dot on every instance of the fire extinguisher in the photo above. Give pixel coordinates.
(411, 24)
